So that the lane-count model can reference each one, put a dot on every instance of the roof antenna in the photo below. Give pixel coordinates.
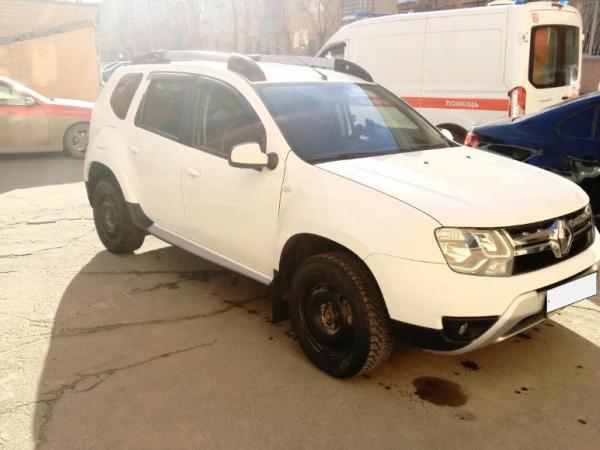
(321, 74)
(304, 63)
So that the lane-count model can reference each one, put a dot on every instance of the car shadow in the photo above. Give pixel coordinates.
(164, 350)
(23, 171)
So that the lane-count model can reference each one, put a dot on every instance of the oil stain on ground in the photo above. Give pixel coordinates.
(439, 391)
(470, 365)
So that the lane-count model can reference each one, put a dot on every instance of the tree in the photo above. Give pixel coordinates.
(326, 16)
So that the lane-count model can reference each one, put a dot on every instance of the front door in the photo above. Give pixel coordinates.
(23, 122)
(229, 211)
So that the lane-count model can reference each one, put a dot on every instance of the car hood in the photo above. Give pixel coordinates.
(465, 187)
(73, 103)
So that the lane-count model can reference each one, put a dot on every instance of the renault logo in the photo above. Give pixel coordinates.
(561, 238)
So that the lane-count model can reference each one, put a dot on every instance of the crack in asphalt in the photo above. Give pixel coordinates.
(586, 308)
(19, 255)
(72, 332)
(154, 272)
(200, 275)
(43, 222)
(56, 395)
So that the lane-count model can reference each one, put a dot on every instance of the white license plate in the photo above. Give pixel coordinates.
(571, 292)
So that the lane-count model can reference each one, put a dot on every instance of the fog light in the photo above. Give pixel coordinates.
(466, 329)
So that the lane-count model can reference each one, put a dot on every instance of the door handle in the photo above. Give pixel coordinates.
(133, 149)
(566, 97)
(192, 172)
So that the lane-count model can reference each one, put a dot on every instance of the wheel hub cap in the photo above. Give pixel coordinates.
(328, 320)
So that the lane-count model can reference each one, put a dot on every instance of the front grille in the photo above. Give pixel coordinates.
(535, 245)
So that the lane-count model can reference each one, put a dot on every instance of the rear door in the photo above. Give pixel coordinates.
(578, 134)
(155, 146)
(23, 125)
(554, 62)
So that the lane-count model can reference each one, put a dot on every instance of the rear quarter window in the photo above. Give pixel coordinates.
(579, 125)
(121, 98)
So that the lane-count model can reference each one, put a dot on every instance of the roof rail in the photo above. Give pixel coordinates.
(247, 65)
(337, 64)
(240, 64)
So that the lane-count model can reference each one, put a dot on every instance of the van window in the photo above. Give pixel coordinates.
(554, 56)
(121, 98)
(580, 125)
(161, 112)
(334, 51)
(224, 120)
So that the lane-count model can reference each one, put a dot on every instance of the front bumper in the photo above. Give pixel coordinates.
(419, 295)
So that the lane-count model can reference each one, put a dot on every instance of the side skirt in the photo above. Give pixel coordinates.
(205, 253)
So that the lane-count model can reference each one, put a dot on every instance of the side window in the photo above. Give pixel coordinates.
(161, 111)
(121, 98)
(225, 119)
(334, 51)
(9, 97)
(579, 126)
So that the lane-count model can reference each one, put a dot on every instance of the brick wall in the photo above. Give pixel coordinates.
(22, 16)
(57, 63)
(61, 65)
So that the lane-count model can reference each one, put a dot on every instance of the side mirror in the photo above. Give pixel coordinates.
(249, 156)
(30, 101)
(447, 134)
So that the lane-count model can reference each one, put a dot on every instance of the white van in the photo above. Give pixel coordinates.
(464, 66)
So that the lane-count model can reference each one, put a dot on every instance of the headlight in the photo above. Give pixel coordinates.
(476, 252)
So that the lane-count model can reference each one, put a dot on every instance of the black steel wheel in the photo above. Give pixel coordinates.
(113, 220)
(339, 315)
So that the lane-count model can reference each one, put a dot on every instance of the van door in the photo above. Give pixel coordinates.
(553, 71)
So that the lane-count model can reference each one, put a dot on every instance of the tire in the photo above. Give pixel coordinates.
(76, 139)
(339, 315)
(113, 220)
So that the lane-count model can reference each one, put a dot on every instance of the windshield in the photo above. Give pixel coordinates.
(554, 59)
(330, 121)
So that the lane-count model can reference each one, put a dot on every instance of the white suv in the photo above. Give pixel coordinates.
(305, 175)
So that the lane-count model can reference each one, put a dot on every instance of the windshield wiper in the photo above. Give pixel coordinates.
(356, 155)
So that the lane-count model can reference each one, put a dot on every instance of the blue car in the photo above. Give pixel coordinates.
(564, 139)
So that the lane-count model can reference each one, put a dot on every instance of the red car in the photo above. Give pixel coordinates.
(30, 122)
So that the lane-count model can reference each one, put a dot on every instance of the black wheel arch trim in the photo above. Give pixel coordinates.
(139, 218)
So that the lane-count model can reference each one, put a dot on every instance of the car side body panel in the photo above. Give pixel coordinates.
(537, 139)
(373, 222)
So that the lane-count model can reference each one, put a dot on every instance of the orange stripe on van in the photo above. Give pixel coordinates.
(481, 104)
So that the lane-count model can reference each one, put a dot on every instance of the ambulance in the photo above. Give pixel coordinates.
(465, 66)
